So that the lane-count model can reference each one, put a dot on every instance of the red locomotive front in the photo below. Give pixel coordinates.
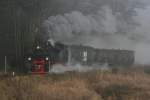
(42, 58)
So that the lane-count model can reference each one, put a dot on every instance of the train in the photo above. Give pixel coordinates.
(44, 56)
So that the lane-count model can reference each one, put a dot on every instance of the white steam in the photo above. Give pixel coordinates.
(143, 36)
(105, 28)
(58, 68)
(75, 27)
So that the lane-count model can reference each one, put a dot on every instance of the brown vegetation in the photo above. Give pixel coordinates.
(95, 85)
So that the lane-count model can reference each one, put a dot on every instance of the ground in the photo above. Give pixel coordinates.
(93, 85)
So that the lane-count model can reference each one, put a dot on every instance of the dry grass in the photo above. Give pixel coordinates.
(94, 85)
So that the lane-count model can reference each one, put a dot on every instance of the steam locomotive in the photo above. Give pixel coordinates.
(44, 56)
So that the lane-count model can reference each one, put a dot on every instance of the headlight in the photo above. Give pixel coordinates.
(29, 58)
(38, 47)
(46, 58)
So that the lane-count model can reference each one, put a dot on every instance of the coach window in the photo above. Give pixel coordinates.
(85, 56)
